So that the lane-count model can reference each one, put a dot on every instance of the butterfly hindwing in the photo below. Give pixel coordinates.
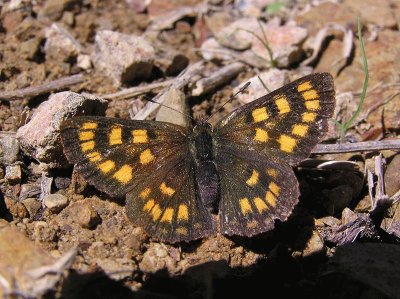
(169, 207)
(254, 192)
(285, 124)
(150, 162)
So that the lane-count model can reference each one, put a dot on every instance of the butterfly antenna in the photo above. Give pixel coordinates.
(183, 113)
(230, 99)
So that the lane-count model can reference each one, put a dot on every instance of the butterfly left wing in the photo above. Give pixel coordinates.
(151, 163)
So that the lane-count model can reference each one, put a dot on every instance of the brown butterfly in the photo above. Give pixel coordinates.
(176, 178)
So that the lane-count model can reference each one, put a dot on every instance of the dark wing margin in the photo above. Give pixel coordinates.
(150, 162)
(285, 124)
(255, 192)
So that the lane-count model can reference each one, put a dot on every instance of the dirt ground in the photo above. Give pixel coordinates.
(62, 238)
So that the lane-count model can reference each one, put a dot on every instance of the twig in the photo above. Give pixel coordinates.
(218, 78)
(357, 147)
(44, 88)
(137, 90)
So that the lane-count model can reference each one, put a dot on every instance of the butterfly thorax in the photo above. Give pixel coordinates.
(205, 169)
(202, 148)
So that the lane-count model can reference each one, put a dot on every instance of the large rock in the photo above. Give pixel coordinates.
(123, 57)
(40, 138)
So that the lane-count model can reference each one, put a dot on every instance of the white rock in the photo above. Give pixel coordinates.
(55, 202)
(123, 57)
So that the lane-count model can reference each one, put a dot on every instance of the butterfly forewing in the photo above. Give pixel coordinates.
(285, 124)
(148, 160)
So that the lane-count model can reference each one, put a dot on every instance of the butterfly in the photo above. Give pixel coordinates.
(183, 184)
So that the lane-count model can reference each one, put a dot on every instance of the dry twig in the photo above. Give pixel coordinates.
(137, 91)
(218, 78)
(44, 88)
(356, 147)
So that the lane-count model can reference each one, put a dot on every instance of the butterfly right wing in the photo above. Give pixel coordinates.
(151, 163)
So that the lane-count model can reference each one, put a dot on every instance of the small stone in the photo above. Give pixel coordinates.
(137, 52)
(29, 28)
(84, 62)
(155, 259)
(13, 174)
(9, 148)
(68, 18)
(212, 50)
(392, 182)
(348, 216)
(40, 137)
(55, 202)
(175, 99)
(62, 182)
(16, 208)
(54, 9)
(315, 245)
(60, 44)
(11, 20)
(327, 221)
(32, 205)
(87, 216)
(285, 43)
(30, 190)
(29, 48)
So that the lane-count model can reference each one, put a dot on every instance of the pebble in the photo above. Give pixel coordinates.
(84, 62)
(40, 137)
(28, 49)
(13, 174)
(30, 190)
(16, 208)
(155, 258)
(392, 182)
(9, 148)
(87, 216)
(32, 205)
(137, 52)
(54, 9)
(60, 44)
(175, 99)
(315, 245)
(55, 202)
